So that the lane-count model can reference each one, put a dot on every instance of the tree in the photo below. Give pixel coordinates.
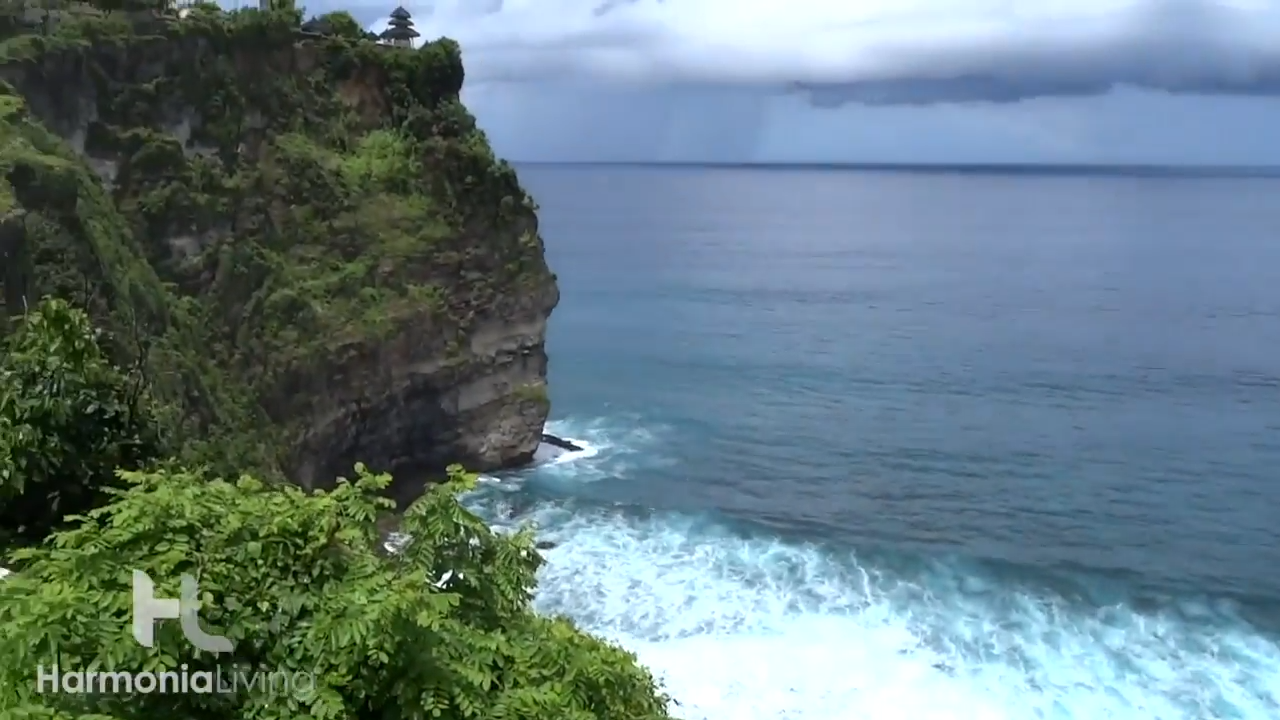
(110, 6)
(303, 587)
(68, 419)
(341, 23)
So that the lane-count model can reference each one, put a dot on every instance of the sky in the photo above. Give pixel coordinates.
(1178, 82)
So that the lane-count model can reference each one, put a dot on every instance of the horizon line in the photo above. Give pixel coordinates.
(991, 168)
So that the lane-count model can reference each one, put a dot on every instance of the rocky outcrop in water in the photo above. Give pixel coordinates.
(561, 443)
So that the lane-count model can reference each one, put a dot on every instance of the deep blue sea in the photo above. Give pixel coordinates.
(872, 444)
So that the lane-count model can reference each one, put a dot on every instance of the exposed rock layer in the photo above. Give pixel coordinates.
(413, 404)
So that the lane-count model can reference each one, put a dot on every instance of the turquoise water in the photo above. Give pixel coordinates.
(917, 445)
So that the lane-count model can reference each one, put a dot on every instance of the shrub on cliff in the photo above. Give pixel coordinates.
(340, 23)
(302, 587)
(68, 420)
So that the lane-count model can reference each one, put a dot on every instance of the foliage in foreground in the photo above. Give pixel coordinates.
(68, 420)
(300, 583)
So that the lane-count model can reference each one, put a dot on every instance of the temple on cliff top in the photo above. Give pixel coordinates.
(399, 32)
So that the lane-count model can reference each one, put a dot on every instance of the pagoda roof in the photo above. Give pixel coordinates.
(399, 32)
(400, 13)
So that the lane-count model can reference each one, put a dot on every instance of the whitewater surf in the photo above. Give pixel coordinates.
(743, 625)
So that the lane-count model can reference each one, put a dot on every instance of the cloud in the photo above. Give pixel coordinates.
(875, 52)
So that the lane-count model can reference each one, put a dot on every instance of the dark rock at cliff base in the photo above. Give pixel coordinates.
(560, 443)
(545, 545)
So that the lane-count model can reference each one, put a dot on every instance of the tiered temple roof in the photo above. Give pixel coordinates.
(399, 27)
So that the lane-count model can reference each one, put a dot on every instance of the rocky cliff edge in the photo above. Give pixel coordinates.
(304, 241)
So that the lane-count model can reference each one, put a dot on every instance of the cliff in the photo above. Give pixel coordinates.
(303, 242)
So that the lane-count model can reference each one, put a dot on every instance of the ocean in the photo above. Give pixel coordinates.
(921, 445)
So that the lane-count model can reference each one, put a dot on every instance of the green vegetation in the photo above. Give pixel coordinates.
(68, 420)
(379, 636)
(535, 393)
(443, 628)
(239, 204)
(342, 24)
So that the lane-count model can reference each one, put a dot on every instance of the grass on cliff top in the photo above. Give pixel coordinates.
(273, 198)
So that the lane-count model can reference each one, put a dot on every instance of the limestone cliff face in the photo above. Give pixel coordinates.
(306, 238)
(412, 403)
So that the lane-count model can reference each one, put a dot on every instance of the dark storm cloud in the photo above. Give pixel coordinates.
(882, 52)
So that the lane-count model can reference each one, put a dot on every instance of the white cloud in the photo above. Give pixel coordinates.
(715, 80)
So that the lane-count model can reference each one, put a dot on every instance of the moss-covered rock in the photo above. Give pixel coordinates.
(306, 238)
